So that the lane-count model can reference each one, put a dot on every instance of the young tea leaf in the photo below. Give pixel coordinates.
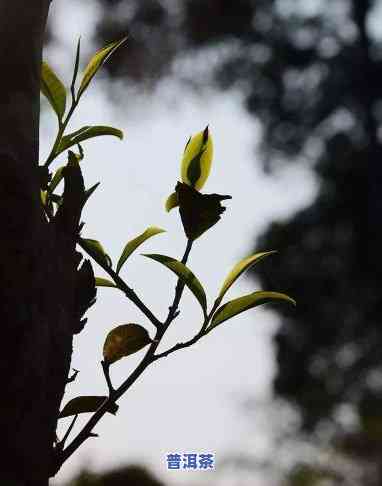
(56, 179)
(95, 63)
(135, 243)
(85, 404)
(171, 202)
(237, 306)
(85, 133)
(43, 197)
(124, 340)
(96, 250)
(240, 268)
(185, 275)
(90, 191)
(76, 66)
(197, 159)
(53, 89)
(104, 282)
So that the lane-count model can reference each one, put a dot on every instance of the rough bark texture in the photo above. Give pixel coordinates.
(37, 266)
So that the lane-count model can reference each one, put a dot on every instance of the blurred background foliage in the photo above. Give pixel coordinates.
(122, 476)
(311, 74)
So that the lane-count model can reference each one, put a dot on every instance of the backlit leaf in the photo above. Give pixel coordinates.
(57, 178)
(76, 65)
(135, 243)
(124, 340)
(185, 275)
(95, 63)
(104, 282)
(85, 404)
(237, 306)
(171, 202)
(90, 191)
(85, 133)
(197, 159)
(96, 250)
(240, 268)
(53, 89)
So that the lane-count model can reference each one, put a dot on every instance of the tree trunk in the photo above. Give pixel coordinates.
(38, 263)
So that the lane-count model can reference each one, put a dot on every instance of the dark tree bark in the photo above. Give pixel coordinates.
(38, 265)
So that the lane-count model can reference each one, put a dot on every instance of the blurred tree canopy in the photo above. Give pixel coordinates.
(122, 476)
(311, 72)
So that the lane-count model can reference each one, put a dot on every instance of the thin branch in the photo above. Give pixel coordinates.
(129, 292)
(106, 372)
(73, 377)
(62, 127)
(86, 431)
(191, 341)
(115, 394)
(173, 310)
(67, 433)
(75, 72)
(178, 346)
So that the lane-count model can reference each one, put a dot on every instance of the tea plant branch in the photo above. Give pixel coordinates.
(61, 444)
(115, 394)
(178, 346)
(106, 372)
(173, 309)
(191, 341)
(61, 129)
(121, 284)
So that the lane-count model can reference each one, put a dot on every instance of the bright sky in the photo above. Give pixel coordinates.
(190, 400)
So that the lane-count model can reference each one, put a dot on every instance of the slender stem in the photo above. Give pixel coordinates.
(115, 394)
(129, 292)
(191, 341)
(106, 372)
(172, 314)
(73, 377)
(86, 432)
(61, 129)
(64, 439)
(179, 346)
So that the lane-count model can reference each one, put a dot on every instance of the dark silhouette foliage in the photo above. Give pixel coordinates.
(123, 476)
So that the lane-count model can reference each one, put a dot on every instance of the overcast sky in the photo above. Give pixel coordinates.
(189, 401)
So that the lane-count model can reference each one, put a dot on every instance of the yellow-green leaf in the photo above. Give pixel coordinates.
(57, 178)
(85, 133)
(104, 282)
(124, 340)
(43, 197)
(171, 202)
(85, 404)
(99, 58)
(136, 242)
(197, 159)
(96, 250)
(76, 66)
(237, 306)
(53, 89)
(185, 275)
(240, 268)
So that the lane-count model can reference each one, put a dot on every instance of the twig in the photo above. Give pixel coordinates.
(129, 292)
(106, 372)
(73, 377)
(173, 310)
(62, 442)
(150, 357)
(115, 394)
